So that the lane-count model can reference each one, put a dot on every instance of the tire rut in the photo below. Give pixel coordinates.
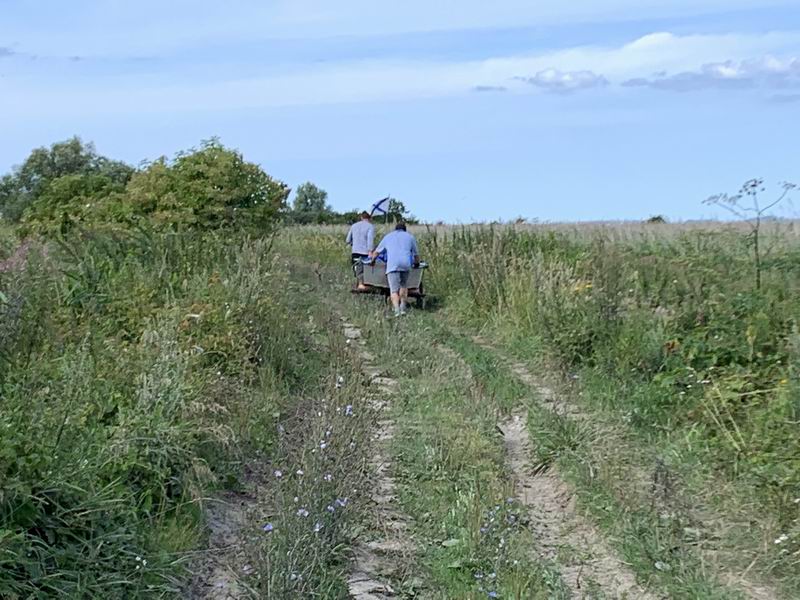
(563, 537)
(217, 574)
(378, 561)
(647, 483)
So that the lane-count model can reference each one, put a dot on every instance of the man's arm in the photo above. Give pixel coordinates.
(381, 247)
(414, 251)
(349, 239)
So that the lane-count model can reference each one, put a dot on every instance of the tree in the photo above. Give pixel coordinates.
(209, 187)
(310, 198)
(29, 181)
(397, 211)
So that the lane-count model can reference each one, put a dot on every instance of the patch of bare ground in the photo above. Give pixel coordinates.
(219, 571)
(382, 555)
(657, 485)
(563, 537)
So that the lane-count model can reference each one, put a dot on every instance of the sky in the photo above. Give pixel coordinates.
(465, 110)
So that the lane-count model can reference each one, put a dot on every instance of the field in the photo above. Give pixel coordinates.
(583, 411)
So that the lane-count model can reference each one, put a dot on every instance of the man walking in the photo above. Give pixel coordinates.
(361, 239)
(401, 256)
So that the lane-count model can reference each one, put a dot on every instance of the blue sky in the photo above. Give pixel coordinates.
(465, 110)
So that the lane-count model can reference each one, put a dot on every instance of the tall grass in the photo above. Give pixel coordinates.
(135, 372)
(668, 332)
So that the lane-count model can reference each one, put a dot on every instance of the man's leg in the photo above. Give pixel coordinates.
(358, 267)
(403, 293)
(394, 289)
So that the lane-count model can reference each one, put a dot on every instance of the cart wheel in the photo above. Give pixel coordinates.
(421, 303)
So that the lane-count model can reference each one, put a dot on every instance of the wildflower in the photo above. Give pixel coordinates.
(318, 527)
(341, 502)
(492, 575)
(783, 537)
(348, 410)
(352, 445)
(797, 500)
(328, 477)
(492, 595)
(478, 575)
(322, 445)
(268, 527)
(278, 473)
(302, 512)
(330, 508)
(509, 501)
(300, 472)
(138, 559)
(296, 499)
(484, 529)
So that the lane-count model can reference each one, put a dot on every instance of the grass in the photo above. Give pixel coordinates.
(137, 374)
(594, 460)
(140, 372)
(661, 333)
(450, 469)
(669, 336)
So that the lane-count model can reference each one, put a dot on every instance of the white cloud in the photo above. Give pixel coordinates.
(566, 70)
(765, 72)
(553, 80)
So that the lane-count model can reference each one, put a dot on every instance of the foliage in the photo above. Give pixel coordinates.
(74, 158)
(674, 319)
(310, 198)
(209, 188)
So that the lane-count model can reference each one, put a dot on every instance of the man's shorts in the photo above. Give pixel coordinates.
(397, 280)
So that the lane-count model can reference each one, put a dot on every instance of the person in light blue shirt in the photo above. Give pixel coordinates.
(401, 256)
(361, 239)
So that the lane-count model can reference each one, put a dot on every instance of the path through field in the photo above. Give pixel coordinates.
(462, 504)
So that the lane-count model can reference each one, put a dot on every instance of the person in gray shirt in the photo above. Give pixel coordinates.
(401, 256)
(361, 239)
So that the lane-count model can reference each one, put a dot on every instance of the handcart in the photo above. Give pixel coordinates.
(375, 281)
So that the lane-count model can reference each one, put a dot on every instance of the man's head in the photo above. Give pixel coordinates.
(401, 226)
(365, 216)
